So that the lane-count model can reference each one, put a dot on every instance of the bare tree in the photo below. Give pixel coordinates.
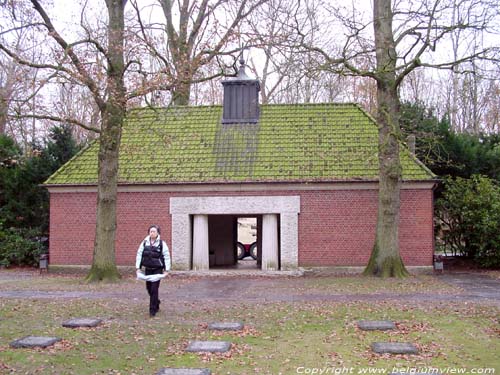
(195, 37)
(467, 82)
(385, 259)
(491, 101)
(405, 37)
(286, 74)
(73, 61)
(418, 87)
(19, 85)
(8, 76)
(269, 28)
(10, 84)
(74, 101)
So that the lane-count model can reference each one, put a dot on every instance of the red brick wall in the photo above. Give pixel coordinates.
(335, 227)
(72, 227)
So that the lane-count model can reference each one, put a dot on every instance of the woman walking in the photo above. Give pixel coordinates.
(154, 256)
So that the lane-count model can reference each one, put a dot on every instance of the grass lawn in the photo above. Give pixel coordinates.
(280, 338)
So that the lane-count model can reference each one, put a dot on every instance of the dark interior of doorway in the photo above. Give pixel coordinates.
(225, 233)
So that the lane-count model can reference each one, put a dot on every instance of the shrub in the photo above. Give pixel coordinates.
(17, 249)
(469, 214)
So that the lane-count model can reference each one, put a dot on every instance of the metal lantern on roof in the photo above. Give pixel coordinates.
(241, 98)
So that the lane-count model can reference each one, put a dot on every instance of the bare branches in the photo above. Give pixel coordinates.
(149, 44)
(78, 60)
(20, 28)
(422, 33)
(64, 120)
(31, 64)
(200, 38)
(89, 82)
(308, 45)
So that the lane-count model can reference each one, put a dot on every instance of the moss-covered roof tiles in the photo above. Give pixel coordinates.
(306, 142)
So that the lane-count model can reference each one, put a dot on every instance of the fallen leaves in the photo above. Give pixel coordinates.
(283, 334)
(236, 350)
(406, 327)
(4, 366)
(246, 331)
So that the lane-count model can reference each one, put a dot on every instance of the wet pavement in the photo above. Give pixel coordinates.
(473, 287)
(476, 285)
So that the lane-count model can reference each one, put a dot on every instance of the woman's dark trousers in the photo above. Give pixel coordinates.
(152, 288)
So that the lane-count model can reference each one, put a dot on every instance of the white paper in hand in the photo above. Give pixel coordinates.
(152, 278)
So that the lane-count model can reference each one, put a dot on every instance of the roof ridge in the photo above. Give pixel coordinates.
(204, 106)
(165, 111)
(312, 104)
(137, 109)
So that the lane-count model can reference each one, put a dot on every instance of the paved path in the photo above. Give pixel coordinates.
(474, 287)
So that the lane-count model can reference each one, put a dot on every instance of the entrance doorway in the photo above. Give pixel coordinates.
(277, 229)
(232, 242)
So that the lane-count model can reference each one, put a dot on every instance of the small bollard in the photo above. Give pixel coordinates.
(438, 263)
(44, 262)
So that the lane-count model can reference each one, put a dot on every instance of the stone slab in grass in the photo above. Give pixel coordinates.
(376, 325)
(209, 346)
(394, 348)
(34, 342)
(184, 371)
(226, 326)
(82, 322)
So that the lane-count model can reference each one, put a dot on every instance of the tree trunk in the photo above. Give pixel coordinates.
(103, 263)
(385, 260)
(181, 93)
(3, 114)
(6, 92)
(184, 78)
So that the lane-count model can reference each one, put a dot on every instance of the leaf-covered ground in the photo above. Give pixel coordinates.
(280, 337)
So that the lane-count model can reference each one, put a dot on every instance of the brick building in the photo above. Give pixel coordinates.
(307, 172)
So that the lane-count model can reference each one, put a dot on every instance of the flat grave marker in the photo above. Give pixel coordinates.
(209, 346)
(184, 371)
(226, 326)
(394, 348)
(376, 325)
(82, 322)
(34, 342)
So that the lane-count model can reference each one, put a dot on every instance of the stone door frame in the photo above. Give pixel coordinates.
(190, 237)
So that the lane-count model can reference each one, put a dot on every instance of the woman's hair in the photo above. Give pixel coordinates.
(156, 227)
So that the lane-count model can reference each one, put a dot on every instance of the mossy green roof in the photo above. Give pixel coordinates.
(303, 142)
